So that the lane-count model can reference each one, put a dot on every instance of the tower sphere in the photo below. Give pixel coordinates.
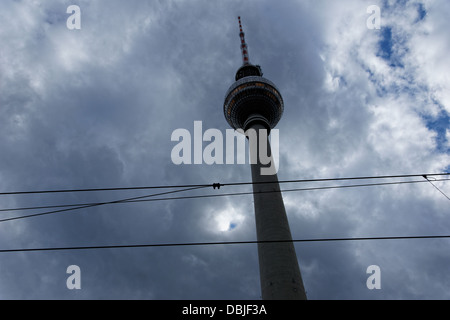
(251, 99)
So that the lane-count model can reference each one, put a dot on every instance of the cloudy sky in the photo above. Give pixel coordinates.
(96, 107)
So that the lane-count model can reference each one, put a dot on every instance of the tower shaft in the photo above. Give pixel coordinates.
(279, 270)
(253, 103)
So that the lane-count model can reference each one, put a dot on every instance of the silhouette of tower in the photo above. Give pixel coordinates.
(254, 104)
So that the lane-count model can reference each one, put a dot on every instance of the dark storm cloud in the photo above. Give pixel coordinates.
(96, 107)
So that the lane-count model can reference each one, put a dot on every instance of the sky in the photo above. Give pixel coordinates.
(96, 107)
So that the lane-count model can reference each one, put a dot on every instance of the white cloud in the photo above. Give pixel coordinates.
(225, 219)
(96, 107)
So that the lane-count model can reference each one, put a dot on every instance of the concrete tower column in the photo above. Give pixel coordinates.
(279, 270)
(254, 102)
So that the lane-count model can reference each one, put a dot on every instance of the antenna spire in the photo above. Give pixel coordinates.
(244, 49)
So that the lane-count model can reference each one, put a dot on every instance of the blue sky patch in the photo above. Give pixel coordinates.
(421, 12)
(386, 43)
(232, 226)
(386, 48)
(440, 125)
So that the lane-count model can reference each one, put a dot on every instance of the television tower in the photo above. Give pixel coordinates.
(254, 103)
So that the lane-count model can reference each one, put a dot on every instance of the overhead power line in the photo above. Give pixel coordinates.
(436, 187)
(343, 179)
(218, 185)
(104, 189)
(221, 243)
(97, 204)
(82, 205)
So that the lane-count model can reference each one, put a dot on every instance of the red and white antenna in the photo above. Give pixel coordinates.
(244, 49)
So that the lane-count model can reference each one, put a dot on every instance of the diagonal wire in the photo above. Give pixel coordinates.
(99, 204)
(426, 177)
